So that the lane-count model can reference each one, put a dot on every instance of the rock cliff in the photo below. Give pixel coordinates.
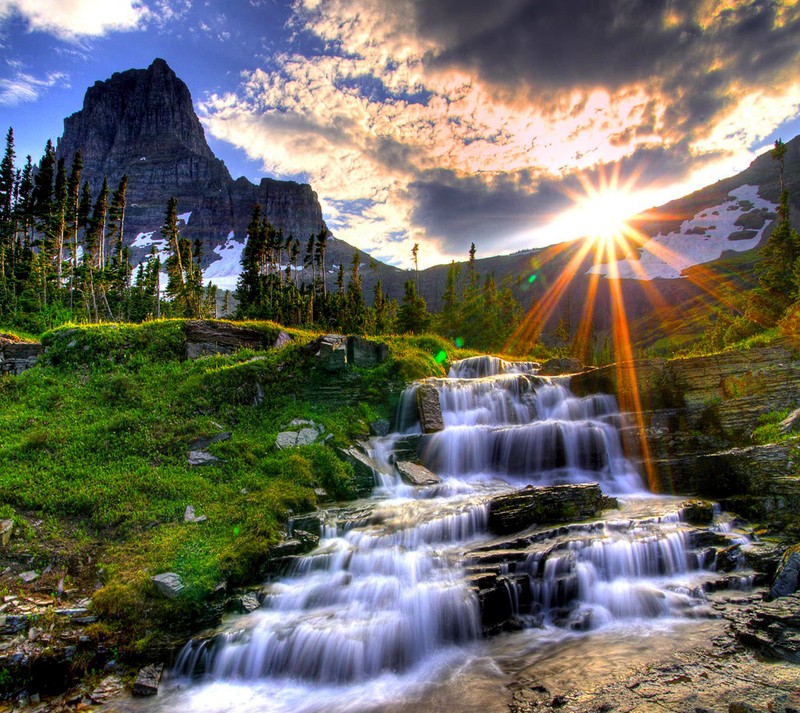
(699, 415)
(142, 123)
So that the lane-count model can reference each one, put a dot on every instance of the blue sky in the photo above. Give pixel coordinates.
(441, 122)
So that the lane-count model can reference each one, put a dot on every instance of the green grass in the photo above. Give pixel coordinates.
(95, 442)
(768, 429)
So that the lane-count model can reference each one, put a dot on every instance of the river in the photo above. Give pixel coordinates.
(385, 614)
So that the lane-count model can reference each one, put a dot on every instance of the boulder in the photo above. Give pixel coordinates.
(430, 409)
(791, 423)
(363, 469)
(536, 505)
(203, 442)
(415, 474)
(16, 356)
(189, 514)
(168, 583)
(147, 680)
(380, 428)
(6, 528)
(282, 340)
(366, 353)
(330, 351)
(249, 603)
(306, 436)
(197, 458)
(204, 337)
(697, 512)
(787, 578)
(286, 439)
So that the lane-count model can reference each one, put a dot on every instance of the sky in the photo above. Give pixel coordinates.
(512, 124)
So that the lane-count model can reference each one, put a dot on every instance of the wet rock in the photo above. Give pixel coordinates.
(563, 365)
(771, 628)
(697, 512)
(787, 578)
(415, 474)
(110, 687)
(248, 603)
(380, 427)
(430, 410)
(147, 680)
(535, 505)
(204, 337)
(168, 583)
(363, 469)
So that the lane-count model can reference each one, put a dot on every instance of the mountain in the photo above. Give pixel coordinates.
(699, 247)
(142, 123)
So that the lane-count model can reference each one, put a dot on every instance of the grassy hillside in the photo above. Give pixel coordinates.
(94, 470)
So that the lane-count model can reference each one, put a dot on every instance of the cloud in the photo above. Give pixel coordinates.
(456, 119)
(23, 87)
(71, 19)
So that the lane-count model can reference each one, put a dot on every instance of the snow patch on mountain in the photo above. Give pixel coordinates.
(702, 239)
(224, 272)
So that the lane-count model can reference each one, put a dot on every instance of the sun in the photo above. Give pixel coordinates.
(601, 210)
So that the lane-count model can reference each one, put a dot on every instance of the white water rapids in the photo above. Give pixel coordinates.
(387, 606)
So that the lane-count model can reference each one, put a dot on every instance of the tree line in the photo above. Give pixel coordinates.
(64, 257)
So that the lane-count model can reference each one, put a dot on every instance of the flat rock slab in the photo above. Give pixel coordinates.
(535, 505)
(168, 583)
(204, 337)
(415, 474)
(28, 577)
(147, 680)
(197, 458)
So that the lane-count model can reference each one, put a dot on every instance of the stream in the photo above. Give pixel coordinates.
(391, 611)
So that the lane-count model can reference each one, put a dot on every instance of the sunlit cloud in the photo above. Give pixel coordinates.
(478, 104)
(71, 19)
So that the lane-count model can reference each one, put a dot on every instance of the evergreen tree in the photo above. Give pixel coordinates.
(412, 316)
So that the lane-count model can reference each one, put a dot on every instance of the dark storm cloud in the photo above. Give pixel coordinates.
(541, 50)
(459, 210)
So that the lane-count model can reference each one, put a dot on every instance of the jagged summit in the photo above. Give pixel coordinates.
(142, 123)
(133, 115)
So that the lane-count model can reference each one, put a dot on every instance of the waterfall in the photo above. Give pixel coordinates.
(373, 610)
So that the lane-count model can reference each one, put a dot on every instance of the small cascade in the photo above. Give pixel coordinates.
(413, 577)
(524, 428)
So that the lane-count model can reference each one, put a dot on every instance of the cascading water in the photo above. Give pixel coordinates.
(390, 600)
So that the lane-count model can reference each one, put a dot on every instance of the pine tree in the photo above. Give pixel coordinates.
(73, 218)
(412, 316)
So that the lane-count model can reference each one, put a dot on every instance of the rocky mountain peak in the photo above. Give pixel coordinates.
(142, 123)
(134, 116)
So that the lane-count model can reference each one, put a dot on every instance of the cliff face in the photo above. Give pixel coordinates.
(699, 414)
(142, 123)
